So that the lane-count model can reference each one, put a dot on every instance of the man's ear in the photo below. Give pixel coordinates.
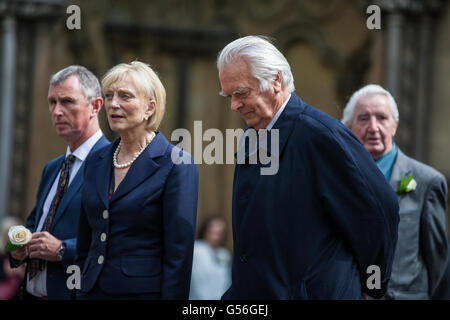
(277, 83)
(395, 128)
(97, 104)
(349, 124)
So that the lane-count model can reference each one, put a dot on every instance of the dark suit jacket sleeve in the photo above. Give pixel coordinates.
(179, 219)
(359, 201)
(71, 248)
(432, 232)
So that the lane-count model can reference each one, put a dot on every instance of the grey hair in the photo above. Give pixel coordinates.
(264, 58)
(368, 90)
(88, 81)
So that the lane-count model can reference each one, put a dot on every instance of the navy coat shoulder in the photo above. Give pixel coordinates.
(311, 230)
(65, 221)
(141, 240)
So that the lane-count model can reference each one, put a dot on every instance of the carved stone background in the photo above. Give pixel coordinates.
(330, 50)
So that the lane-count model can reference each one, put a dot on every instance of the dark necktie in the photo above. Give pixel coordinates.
(38, 264)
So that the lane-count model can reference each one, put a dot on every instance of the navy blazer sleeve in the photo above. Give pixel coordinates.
(179, 221)
(358, 200)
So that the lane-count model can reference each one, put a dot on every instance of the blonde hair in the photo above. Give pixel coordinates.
(146, 80)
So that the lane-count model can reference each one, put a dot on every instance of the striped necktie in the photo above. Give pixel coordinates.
(38, 264)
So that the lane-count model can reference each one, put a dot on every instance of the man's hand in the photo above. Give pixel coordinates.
(20, 254)
(18, 272)
(44, 246)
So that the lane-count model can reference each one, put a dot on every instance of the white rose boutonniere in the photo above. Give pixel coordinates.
(18, 237)
(407, 184)
(411, 185)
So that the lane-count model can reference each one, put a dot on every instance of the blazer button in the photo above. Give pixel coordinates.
(105, 214)
(244, 258)
(101, 259)
(103, 237)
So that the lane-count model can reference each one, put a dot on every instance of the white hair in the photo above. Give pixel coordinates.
(264, 59)
(368, 90)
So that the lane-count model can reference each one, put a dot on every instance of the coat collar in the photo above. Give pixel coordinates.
(284, 125)
(53, 169)
(286, 121)
(140, 170)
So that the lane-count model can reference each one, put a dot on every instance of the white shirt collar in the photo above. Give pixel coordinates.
(277, 115)
(82, 151)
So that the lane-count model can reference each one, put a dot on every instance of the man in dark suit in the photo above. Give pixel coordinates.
(75, 100)
(324, 226)
(420, 258)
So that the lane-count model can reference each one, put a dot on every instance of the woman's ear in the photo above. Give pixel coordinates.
(151, 108)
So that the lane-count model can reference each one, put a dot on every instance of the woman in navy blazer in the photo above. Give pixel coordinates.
(139, 208)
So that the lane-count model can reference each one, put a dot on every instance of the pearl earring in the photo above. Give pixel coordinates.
(146, 118)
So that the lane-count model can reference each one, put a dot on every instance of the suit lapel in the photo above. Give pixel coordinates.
(284, 125)
(399, 170)
(53, 172)
(286, 121)
(142, 168)
(72, 190)
(75, 185)
(103, 172)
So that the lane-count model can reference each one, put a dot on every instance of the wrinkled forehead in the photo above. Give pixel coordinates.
(238, 67)
(237, 77)
(123, 80)
(69, 87)
(373, 104)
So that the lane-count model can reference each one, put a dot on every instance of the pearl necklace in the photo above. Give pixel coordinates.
(129, 163)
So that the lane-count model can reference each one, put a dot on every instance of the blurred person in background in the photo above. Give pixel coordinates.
(211, 268)
(10, 278)
(421, 254)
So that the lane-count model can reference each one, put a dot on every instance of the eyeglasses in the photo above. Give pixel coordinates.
(239, 93)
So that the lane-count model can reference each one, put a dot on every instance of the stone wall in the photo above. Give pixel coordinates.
(330, 50)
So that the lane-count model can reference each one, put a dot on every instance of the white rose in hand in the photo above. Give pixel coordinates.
(18, 237)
